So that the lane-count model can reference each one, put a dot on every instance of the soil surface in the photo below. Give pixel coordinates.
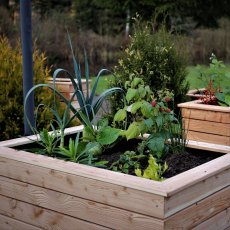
(177, 163)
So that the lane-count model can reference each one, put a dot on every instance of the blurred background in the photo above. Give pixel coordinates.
(102, 27)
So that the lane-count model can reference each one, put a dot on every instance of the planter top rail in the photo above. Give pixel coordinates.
(30, 139)
(197, 104)
(165, 188)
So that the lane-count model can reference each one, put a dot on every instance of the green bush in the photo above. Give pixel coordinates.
(155, 58)
(11, 89)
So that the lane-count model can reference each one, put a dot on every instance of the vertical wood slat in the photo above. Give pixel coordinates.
(42, 218)
(7, 223)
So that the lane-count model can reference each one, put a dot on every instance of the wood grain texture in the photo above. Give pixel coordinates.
(213, 148)
(209, 138)
(76, 207)
(220, 221)
(196, 192)
(199, 212)
(202, 126)
(7, 223)
(32, 138)
(103, 186)
(42, 218)
(197, 105)
(205, 115)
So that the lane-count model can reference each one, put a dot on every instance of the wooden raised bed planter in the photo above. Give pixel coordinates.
(38, 192)
(206, 123)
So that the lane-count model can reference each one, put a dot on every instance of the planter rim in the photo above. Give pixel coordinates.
(197, 104)
(66, 80)
(166, 188)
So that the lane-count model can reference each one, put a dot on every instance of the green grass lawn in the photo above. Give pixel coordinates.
(192, 77)
(102, 84)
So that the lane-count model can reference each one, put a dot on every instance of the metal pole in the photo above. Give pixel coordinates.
(26, 37)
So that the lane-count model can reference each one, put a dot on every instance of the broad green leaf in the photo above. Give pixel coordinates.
(133, 131)
(94, 148)
(141, 92)
(148, 122)
(135, 106)
(159, 120)
(146, 109)
(131, 93)
(156, 144)
(136, 81)
(120, 115)
(88, 134)
(138, 172)
(108, 135)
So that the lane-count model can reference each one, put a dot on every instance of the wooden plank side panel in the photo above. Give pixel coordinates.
(220, 221)
(209, 138)
(187, 196)
(206, 115)
(200, 212)
(7, 223)
(76, 207)
(42, 218)
(207, 127)
(87, 187)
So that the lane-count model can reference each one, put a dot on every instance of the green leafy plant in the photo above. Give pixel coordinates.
(154, 171)
(223, 99)
(77, 152)
(216, 90)
(127, 162)
(147, 115)
(48, 141)
(155, 58)
(87, 102)
(101, 136)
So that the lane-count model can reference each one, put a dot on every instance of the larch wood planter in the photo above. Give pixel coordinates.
(207, 123)
(65, 86)
(38, 192)
(195, 94)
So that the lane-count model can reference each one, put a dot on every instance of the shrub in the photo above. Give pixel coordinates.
(155, 58)
(11, 89)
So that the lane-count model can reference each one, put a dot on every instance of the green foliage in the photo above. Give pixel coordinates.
(89, 106)
(77, 151)
(146, 114)
(48, 141)
(217, 73)
(223, 99)
(154, 171)
(215, 78)
(11, 92)
(102, 135)
(154, 58)
(127, 162)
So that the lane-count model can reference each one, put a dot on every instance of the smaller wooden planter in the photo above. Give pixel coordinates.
(65, 86)
(206, 123)
(195, 94)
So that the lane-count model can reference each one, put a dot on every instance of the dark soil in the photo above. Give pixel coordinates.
(177, 163)
(181, 162)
